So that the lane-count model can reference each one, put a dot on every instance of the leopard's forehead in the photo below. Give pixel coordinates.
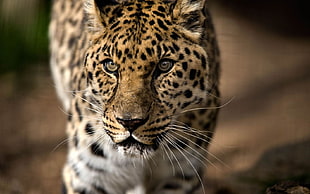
(137, 10)
(138, 35)
(139, 23)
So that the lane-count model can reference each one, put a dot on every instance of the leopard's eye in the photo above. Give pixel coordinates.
(109, 66)
(165, 65)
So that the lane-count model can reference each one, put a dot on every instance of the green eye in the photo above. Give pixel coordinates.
(109, 66)
(165, 65)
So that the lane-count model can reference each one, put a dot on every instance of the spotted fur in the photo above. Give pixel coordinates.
(139, 81)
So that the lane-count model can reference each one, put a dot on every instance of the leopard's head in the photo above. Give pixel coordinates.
(145, 64)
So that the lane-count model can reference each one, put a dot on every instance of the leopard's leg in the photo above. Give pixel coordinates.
(83, 178)
(70, 176)
(75, 181)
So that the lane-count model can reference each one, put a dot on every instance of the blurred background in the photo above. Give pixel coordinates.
(263, 134)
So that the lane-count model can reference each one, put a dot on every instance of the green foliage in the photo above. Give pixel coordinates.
(26, 45)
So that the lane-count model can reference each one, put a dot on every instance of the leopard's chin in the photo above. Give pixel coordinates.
(136, 149)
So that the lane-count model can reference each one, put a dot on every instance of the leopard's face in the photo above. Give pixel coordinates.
(142, 72)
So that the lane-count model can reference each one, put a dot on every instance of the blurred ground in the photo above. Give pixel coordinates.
(263, 135)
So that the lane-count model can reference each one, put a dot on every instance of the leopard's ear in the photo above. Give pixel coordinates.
(189, 15)
(100, 12)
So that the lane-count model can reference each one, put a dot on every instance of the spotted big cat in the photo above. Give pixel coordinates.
(138, 81)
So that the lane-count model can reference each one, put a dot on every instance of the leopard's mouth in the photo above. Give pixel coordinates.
(135, 148)
(132, 142)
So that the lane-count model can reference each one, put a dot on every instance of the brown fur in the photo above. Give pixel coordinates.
(128, 73)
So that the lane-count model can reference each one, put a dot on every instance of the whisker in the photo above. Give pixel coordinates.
(147, 157)
(69, 91)
(91, 109)
(194, 130)
(91, 118)
(64, 111)
(195, 151)
(147, 164)
(192, 135)
(203, 149)
(213, 95)
(168, 140)
(165, 151)
(208, 108)
(198, 137)
(64, 141)
(190, 163)
(94, 139)
(94, 105)
(94, 110)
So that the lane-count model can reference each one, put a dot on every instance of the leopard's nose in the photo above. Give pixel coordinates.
(131, 124)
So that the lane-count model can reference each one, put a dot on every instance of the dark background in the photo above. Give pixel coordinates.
(263, 135)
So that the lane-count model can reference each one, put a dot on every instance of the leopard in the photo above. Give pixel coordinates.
(138, 81)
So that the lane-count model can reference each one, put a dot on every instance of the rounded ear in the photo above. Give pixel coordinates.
(189, 14)
(98, 13)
